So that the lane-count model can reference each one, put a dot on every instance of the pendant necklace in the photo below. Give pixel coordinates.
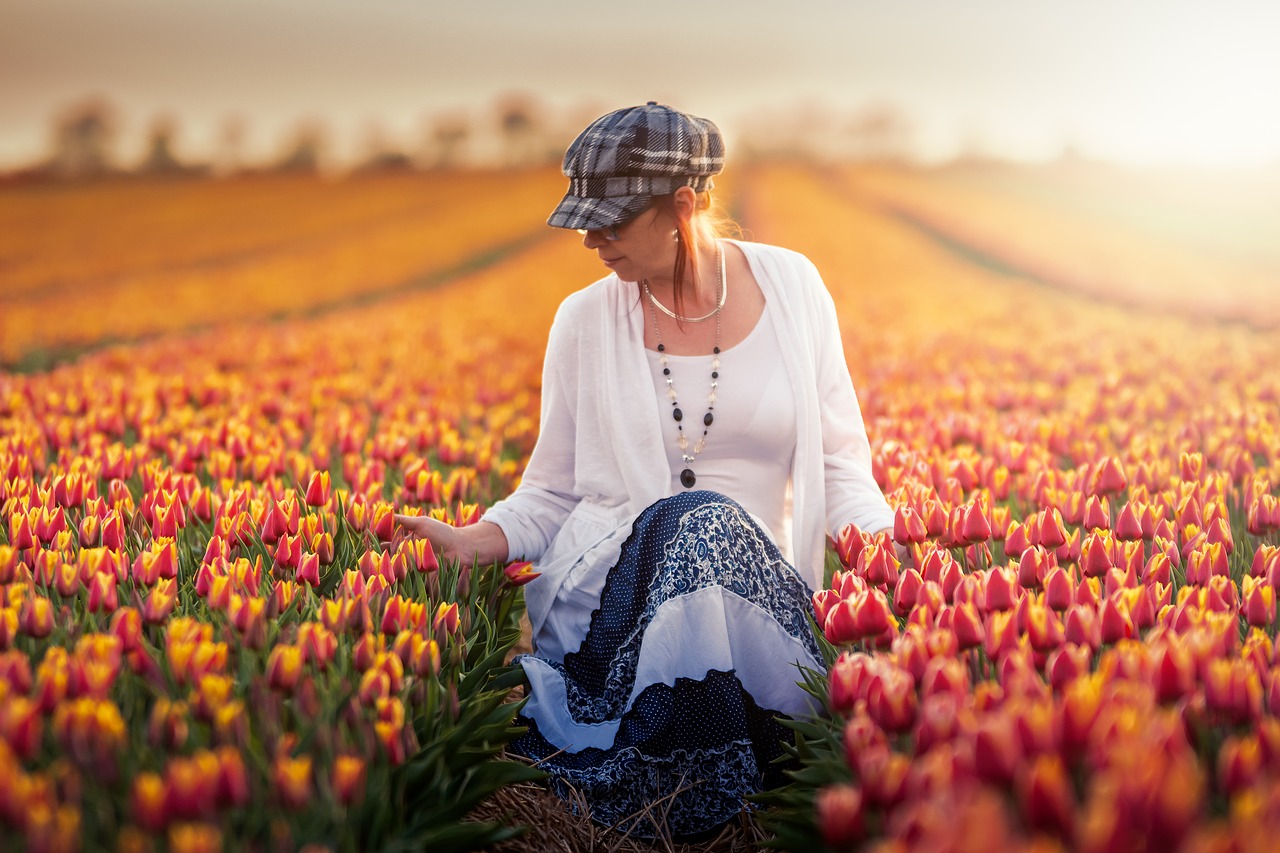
(687, 477)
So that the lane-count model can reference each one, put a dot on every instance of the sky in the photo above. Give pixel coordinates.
(1150, 82)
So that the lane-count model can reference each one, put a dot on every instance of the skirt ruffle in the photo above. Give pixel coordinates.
(668, 711)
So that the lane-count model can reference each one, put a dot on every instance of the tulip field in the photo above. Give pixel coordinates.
(215, 394)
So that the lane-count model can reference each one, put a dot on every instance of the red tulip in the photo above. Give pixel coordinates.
(908, 527)
(1059, 589)
(1001, 590)
(319, 489)
(996, 750)
(907, 591)
(284, 667)
(519, 573)
(884, 776)
(1046, 796)
(839, 815)
(891, 699)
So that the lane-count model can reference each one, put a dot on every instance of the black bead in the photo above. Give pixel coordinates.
(662, 348)
(687, 478)
(715, 374)
(716, 350)
(707, 419)
(677, 414)
(666, 371)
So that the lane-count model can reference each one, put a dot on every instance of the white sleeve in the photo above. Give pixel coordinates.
(532, 515)
(851, 491)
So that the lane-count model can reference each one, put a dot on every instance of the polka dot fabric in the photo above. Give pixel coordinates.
(694, 556)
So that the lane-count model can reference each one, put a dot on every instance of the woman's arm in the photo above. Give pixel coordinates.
(482, 543)
(852, 494)
(523, 525)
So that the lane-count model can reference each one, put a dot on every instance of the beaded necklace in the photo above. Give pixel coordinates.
(687, 477)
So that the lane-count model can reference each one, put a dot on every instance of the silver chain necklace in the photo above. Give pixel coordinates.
(724, 296)
(687, 477)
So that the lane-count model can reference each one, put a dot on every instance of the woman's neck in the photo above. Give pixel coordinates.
(700, 295)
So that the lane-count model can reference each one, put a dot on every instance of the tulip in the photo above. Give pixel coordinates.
(1046, 796)
(907, 591)
(840, 627)
(126, 624)
(518, 574)
(319, 489)
(446, 619)
(1077, 714)
(160, 602)
(36, 617)
(1044, 628)
(348, 779)
(1128, 525)
(839, 815)
(847, 681)
(884, 776)
(1001, 590)
(21, 725)
(1066, 664)
(168, 728)
(996, 750)
(1001, 634)
(967, 625)
(1059, 589)
(1232, 688)
(147, 801)
(1115, 623)
(908, 527)
(1260, 605)
(384, 522)
(937, 722)
(879, 565)
(292, 780)
(1097, 514)
(975, 526)
(1050, 531)
(1239, 763)
(1095, 556)
(284, 667)
(891, 699)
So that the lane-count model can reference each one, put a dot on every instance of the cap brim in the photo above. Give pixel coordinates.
(587, 213)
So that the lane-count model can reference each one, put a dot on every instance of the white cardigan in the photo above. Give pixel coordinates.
(599, 460)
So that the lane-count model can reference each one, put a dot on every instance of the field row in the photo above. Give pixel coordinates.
(120, 261)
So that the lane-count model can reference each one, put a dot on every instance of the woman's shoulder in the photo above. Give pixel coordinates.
(587, 301)
(781, 269)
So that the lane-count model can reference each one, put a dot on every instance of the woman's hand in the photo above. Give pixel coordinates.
(482, 542)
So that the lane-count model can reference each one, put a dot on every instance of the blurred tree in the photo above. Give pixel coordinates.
(379, 154)
(160, 159)
(228, 157)
(881, 132)
(303, 154)
(447, 140)
(83, 136)
(521, 126)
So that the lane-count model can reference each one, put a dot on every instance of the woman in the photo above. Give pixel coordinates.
(700, 438)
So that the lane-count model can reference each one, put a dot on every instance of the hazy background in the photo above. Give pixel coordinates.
(1139, 82)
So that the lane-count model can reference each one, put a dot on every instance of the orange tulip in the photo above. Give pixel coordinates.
(292, 780)
(284, 667)
(348, 779)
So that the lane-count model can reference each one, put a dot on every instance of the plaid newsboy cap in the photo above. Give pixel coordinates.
(625, 158)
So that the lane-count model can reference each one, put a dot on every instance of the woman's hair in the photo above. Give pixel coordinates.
(708, 223)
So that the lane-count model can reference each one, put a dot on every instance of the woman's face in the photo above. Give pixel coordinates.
(645, 248)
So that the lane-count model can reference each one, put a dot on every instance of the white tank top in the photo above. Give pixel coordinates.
(752, 440)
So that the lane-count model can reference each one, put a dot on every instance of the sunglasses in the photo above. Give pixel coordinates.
(610, 232)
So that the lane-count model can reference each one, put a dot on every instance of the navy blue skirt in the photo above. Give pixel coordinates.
(666, 717)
